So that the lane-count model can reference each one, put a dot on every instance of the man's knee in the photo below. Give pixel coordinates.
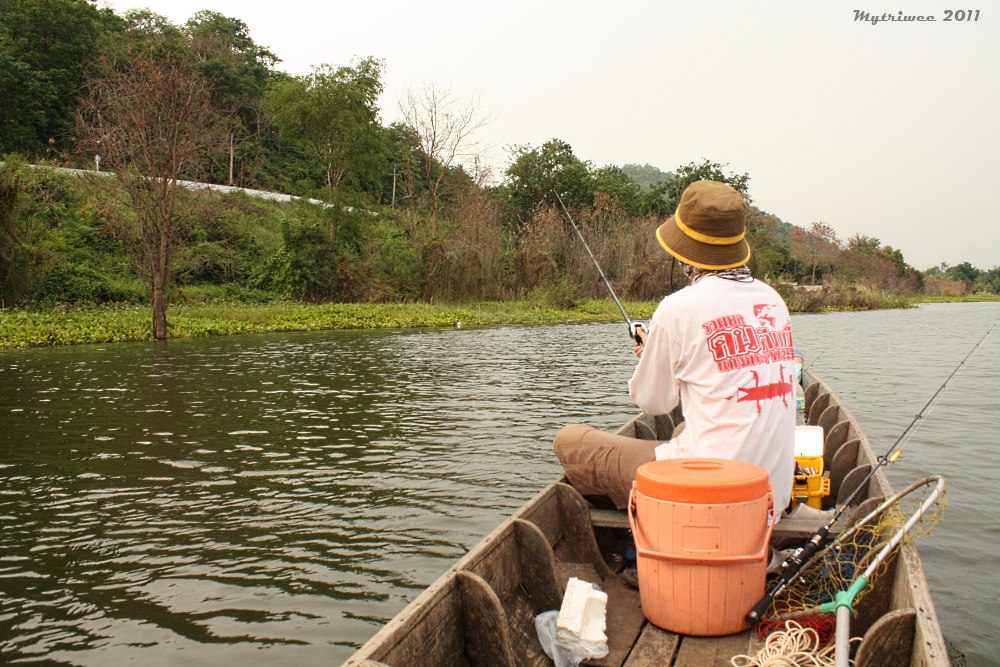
(569, 439)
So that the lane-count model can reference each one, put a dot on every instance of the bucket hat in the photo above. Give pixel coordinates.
(708, 230)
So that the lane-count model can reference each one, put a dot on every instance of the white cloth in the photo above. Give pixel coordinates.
(724, 349)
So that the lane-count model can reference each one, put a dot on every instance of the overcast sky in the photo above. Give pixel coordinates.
(885, 129)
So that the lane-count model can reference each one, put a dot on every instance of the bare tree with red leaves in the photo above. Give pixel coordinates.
(152, 122)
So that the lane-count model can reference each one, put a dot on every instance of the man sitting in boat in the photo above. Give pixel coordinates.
(721, 347)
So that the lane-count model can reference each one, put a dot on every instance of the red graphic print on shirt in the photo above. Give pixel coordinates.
(766, 392)
(734, 344)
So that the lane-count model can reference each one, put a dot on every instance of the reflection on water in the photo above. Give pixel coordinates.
(268, 498)
(274, 499)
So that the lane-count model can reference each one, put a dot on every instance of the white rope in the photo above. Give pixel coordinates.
(794, 647)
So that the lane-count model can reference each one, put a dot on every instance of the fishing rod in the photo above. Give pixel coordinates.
(633, 326)
(792, 566)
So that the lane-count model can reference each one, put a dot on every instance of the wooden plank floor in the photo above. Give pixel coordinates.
(660, 648)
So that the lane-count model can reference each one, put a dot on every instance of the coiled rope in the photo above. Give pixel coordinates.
(794, 647)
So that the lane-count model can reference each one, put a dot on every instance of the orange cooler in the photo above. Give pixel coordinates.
(702, 529)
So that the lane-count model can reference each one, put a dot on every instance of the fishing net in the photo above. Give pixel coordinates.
(856, 551)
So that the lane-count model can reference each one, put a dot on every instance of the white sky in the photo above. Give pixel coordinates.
(883, 129)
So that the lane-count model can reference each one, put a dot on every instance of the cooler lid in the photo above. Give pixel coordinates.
(702, 481)
(808, 441)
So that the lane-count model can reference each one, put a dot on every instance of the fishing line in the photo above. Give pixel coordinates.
(792, 566)
(633, 326)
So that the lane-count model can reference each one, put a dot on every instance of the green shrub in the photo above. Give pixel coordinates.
(79, 283)
(553, 294)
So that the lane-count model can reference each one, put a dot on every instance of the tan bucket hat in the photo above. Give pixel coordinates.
(708, 230)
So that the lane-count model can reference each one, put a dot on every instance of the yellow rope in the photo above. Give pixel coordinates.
(794, 647)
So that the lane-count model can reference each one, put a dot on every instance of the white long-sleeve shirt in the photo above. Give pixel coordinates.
(723, 348)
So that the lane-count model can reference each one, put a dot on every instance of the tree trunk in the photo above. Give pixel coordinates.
(159, 312)
(160, 273)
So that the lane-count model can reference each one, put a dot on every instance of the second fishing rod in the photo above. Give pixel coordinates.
(795, 563)
(633, 325)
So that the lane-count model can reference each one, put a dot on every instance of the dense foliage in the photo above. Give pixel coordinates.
(400, 216)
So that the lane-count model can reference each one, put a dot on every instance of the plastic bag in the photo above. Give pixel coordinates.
(564, 651)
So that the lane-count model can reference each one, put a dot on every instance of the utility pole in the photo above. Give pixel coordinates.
(394, 175)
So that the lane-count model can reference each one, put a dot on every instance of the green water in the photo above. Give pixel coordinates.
(275, 499)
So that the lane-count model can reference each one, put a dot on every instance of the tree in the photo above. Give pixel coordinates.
(333, 112)
(706, 171)
(535, 173)
(152, 122)
(816, 246)
(46, 47)
(988, 281)
(965, 272)
(863, 244)
(623, 191)
(237, 70)
(445, 126)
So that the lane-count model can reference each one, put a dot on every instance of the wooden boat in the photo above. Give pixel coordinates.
(481, 611)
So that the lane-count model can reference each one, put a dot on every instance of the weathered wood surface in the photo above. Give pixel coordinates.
(834, 439)
(817, 407)
(624, 621)
(843, 462)
(852, 480)
(889, 642)
(654, 648)
(714, 651)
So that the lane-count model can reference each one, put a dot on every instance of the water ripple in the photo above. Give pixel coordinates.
(273, 499)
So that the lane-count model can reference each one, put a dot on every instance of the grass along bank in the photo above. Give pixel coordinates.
(70, 325)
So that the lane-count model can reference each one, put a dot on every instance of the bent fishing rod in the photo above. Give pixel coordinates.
(792, 566)
(633, 325)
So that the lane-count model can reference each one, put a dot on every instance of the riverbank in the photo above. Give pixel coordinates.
(71, 325)
(115, 323)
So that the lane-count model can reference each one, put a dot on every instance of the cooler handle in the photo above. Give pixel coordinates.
(696, 559)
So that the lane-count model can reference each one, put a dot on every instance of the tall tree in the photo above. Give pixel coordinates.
(706, 170)
(535, 172)
(152, 121)
(237, 70)
(446, 126)
(46, 47)
(334, 112)
(816, 246)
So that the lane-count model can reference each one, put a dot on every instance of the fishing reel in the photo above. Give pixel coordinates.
(633, 328)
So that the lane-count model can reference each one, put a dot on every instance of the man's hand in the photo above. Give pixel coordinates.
(640, 333)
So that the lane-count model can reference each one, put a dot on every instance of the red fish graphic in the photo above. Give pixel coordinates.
(766, 392)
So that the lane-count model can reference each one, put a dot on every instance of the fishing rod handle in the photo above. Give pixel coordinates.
(789, 572)
(633, 329)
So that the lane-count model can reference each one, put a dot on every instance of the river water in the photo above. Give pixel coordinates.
(275, 499)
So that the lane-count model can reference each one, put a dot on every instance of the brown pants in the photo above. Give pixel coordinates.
(602, 465)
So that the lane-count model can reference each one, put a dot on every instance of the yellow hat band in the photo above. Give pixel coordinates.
(700, 265)
(704, 238)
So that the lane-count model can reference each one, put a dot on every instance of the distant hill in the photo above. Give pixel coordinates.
(647, 174)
